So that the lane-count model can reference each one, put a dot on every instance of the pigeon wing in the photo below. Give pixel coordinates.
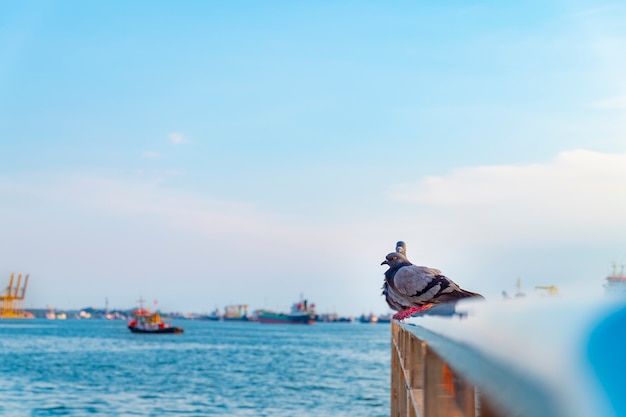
(421, 285)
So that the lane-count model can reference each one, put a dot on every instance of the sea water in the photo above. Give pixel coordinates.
(100, 368)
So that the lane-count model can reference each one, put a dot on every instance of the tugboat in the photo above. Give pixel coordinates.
(301, 313)
(146, 321)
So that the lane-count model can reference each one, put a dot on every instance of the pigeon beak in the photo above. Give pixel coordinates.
(384, 262)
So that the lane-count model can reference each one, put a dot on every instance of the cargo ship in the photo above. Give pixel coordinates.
(301, 313)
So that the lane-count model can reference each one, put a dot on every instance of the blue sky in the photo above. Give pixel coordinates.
(208, 153)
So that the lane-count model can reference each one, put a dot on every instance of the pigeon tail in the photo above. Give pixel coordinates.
(457, 295)
(470, 294)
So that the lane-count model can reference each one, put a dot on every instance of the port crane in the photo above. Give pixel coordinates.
(11, 298)
(552, 289)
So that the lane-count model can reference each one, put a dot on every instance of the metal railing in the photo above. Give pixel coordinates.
(526, 358)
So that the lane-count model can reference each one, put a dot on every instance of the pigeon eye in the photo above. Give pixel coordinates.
(394, 258)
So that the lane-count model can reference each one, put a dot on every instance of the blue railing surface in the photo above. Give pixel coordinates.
(547, 356)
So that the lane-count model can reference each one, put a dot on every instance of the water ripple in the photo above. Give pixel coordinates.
(98, 368)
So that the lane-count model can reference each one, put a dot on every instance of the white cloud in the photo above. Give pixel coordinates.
(579, 193)
(611, 103)
(150, 155)
(177, 138)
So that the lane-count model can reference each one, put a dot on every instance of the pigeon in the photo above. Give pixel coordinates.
(411, 288)
(394, 301)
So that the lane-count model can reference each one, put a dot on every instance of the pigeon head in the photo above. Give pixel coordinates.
(395, 260)
(401, 247)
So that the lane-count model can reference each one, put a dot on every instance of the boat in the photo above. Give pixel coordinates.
(385, 318)
(301, 313)
(334, 318)
(368, 318)
(615, 285)
(146, 321)
(51, 314)
(213, 316)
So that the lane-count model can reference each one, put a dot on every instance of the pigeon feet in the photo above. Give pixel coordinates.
(401, 315)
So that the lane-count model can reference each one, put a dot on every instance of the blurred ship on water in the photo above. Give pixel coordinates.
(615, 285)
